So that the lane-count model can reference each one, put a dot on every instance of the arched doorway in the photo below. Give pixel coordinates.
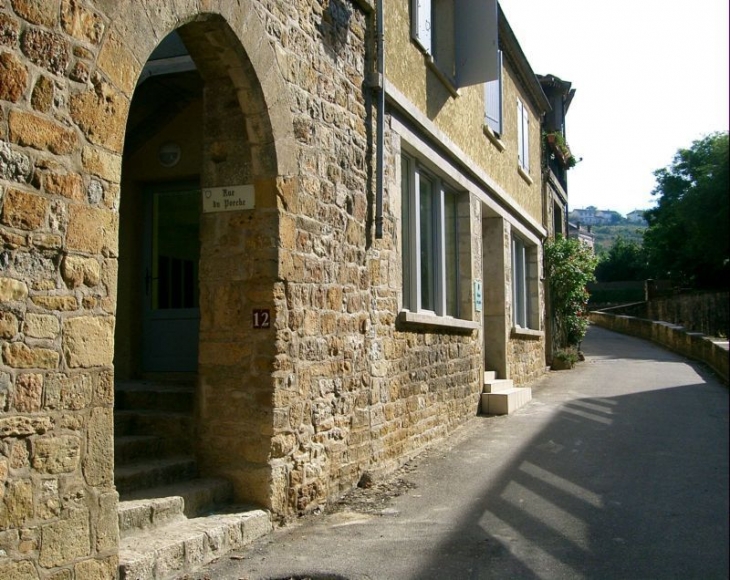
(193, 406)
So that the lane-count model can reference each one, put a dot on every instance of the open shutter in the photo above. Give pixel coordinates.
(493, 100)
(476, 41)
(421, 23)
(519, 134)
(525, 139)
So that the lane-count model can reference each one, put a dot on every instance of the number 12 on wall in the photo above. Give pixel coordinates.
(261, 318)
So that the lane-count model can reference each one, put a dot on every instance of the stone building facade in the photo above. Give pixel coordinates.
(190, 187)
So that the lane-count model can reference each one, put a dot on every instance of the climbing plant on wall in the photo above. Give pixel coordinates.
(569, 266)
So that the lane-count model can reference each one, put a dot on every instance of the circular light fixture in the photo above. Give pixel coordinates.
(169, 154)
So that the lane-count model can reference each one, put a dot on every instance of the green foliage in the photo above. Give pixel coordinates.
(569, 266)
(625, 260)
(606, 236)
(688, 233)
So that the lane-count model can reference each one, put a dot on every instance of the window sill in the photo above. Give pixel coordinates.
(493, 137)
(524, 175)
(447, 81)
(430, 320)
(526, 333)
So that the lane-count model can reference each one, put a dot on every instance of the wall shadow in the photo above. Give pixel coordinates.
(632, 486)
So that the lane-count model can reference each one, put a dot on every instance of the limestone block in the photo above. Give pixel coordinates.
(20, 570)
(41, 326)
(17, 505)
(22, 210)
(107, 526)
(42, 12)
(77, 270)
(65, 540)
(32, 130)
(68, 185)
(12, 290)
(9, 30)
(19, 355)
(14, 166)
(41, 98)
(118, 63)
(8, 325)
(88, 341)
(47, 241)
(92, 230)
(101, 113)
(46, 49)
(97, 569)
(99, 459)
(81, 23)
(28, 392)
(60, 303)
(66, 392)
(54, 455)
(102, 163)
(15, 78)
(24, 426)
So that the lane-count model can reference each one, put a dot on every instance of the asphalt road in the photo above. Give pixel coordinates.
(617, 469)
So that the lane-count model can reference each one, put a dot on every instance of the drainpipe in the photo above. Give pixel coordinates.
(380, 137)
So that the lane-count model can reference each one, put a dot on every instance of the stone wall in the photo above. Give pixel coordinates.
(60, 127)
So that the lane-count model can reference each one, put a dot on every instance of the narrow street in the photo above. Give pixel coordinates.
(617, 469)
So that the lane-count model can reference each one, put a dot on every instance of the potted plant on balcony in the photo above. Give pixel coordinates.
(559, 147)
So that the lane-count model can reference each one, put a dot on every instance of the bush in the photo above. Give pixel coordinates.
(569, 266)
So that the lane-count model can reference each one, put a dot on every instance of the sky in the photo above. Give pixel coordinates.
(651, 77)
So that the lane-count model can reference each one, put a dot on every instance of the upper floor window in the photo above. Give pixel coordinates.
(493, 101)
(459, 37)
(523, 136)
(432, 240)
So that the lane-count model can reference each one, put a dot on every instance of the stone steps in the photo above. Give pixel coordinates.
(501, 397)
(170, 520)
(177, 548)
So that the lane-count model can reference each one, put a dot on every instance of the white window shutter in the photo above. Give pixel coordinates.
(421, 23)
(475, 24)
(493, 101)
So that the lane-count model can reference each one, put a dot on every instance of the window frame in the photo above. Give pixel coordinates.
(493, 102)
(525, 302)
(446, 299)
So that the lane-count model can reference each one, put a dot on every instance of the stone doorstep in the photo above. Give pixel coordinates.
(506, 401)
(155, 507)
(154, 473)
(497, 385)
(167, 552)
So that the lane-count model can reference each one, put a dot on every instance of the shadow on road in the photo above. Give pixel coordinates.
(631, 486)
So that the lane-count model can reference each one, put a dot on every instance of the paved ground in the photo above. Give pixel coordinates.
(617, 469)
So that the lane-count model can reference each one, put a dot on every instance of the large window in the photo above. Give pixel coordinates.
(431, 240)
(524, 285)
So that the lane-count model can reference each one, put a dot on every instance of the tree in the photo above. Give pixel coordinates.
(569, 266)
(625, 260)
(688, 233)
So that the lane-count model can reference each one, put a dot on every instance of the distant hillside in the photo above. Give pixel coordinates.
(605, 235)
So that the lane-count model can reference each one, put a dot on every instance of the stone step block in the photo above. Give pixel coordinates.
(132, 448)
(181, 547)
(154, 473)
(172, 397)
(490, 375)
(497, 385)
(506, 401)
(173, 426)
(148, 508)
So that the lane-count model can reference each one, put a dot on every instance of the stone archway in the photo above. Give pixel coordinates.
(240, 146)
